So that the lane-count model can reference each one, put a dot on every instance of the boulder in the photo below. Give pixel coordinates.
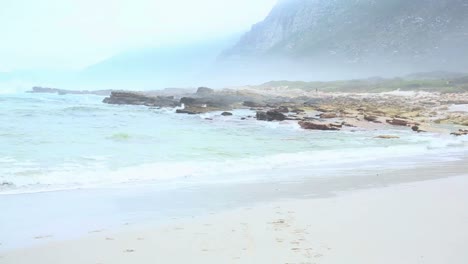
(328, 115)
(272, 115)
(181, 111)
(317, 126)
(226, 114)
(202, 91)
(371, 118)
(401, 122)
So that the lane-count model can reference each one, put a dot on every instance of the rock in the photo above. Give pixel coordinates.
(398, 122)
(188, 101)
(297, 110)
(387, 137)
(272, 115)
(401, 122)
(226, 114)
(328, 115)
(317, 126)
(371, 118)
(460, 132)
(252, 104)
(181, 111)
(415, 128)
(282, 109)
(134, 98)
(203, 91)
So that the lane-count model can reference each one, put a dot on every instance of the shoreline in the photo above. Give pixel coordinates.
(68, 215)
(394, 224)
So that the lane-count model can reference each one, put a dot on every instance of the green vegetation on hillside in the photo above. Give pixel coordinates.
(377, 85)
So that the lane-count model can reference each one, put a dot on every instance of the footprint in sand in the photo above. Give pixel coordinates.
(140, 238)
(129, 251)
(96, 231)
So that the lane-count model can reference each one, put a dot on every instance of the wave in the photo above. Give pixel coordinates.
(288, 166)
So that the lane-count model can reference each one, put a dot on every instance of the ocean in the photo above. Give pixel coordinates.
(58, 142)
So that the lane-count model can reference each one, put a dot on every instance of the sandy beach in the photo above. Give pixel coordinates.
(418, 222)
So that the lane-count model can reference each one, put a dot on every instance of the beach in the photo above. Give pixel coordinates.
(123, 183)
(398, 219)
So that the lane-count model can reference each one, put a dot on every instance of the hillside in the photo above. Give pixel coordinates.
(376, 37)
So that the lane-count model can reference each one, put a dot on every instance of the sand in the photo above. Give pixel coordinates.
(419, 222)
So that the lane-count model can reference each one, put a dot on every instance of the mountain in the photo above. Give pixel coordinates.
(356, 37)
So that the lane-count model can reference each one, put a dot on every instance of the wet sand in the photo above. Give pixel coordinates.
(413, 222)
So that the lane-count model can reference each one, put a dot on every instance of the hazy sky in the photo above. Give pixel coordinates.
(69, 34)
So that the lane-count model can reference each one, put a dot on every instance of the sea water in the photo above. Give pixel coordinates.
(54, 142)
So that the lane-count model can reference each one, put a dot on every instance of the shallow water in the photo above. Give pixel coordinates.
(53, 142)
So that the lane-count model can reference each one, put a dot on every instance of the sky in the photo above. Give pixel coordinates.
(73, 34)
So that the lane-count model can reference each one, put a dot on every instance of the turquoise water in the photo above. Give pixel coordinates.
(55, 142)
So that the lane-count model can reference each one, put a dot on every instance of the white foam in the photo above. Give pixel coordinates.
(253, 168)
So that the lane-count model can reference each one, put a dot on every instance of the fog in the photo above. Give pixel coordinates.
(143, 45)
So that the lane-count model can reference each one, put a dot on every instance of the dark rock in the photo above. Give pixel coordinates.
(226, 114)
(317, 126)
(188, 101)
(181, 111)
(401, 122)
(371, 118)
(283, 109)
(135, 98)
(272, 115)
(252, 104)
(203, 91)
(460, 132)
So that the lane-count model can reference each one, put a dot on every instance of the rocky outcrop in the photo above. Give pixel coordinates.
(328, 115)
(461, 132)
(272, 115)
(401, 122)
(204, 91)
(371, 118)
(135, 98)
(318, 126)
(253, 104)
